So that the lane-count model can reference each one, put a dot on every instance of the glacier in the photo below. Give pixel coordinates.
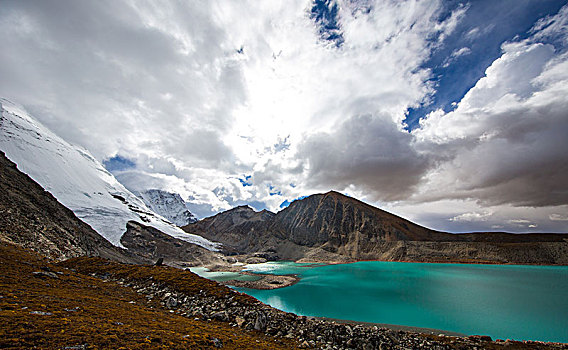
(79, 181)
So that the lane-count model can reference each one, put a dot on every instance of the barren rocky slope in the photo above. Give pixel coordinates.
(151, 244)
(334, 227)
(239, 228)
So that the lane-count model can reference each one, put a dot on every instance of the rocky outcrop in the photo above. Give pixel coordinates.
(33, 218)
(152, 244)
(240, 229)
(332, 227)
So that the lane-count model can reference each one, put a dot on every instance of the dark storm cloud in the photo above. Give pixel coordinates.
(524, 162)
(367, 151)
(506, 142)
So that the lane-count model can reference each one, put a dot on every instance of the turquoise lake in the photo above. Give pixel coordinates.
(503, 301)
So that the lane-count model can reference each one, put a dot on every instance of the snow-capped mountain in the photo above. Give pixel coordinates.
(169, 205)
(80, 182)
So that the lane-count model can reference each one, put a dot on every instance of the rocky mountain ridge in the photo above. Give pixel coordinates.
(334, 227)
(33, 218)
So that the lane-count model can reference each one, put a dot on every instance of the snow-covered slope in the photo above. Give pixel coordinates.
(77, 179)
(170, 205)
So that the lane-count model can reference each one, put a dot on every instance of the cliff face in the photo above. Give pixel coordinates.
(334, 227)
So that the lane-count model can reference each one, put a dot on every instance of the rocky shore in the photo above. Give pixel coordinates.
(240, 311)
(265, 282)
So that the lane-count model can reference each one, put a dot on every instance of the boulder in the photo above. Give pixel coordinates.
(260, 322)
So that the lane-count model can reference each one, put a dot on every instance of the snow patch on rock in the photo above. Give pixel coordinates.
(169, 205)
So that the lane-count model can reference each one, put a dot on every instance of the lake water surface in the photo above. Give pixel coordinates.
(503, 301)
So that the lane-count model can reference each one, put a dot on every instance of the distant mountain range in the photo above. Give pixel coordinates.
(333, 227)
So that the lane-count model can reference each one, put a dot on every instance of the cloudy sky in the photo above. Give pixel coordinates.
(453, 114)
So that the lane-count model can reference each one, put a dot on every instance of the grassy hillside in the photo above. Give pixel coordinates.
(49, 306)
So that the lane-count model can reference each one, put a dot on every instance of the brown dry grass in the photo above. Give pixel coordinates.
(84, 310)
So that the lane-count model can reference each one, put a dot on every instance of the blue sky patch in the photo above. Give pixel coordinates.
(246, 180)
(273, 191)
(475, 43)
(118, 163)
(325, 14)
(286, 203)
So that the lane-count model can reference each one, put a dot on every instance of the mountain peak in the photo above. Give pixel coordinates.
(169, 205)
(244, 207)
(334, 193)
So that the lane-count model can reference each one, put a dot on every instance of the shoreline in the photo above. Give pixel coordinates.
(465, 262)
(266, 281)
(395, 327)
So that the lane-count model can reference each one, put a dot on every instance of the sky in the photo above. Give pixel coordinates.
(453, 114)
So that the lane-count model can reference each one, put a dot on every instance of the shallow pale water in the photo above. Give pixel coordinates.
(279, 268)
(222, 276)
(503, 301)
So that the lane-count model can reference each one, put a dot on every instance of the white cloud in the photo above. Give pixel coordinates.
(477, 32)
(455, 55)
(522, 223)
(506, 140)
(200, 94)
(473, 216)
(459, 215)
(519, 221)
(473, 33)
(461, 52)
(553, 27)
(558, 217)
